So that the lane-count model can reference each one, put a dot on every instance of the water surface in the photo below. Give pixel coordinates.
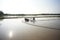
(17, 29)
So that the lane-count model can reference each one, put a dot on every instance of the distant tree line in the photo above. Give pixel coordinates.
(1, 14)
(14, 14)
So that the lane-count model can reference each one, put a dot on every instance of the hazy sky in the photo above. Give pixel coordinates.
(30, 6)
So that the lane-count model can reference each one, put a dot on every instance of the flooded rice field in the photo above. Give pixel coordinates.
(41, 29)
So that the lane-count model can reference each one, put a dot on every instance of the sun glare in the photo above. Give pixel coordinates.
(10, 34)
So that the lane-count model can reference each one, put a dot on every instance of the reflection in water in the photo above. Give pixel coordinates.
(10, 34)
(1, 21)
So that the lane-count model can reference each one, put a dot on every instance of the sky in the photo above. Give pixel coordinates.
(30, 6)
